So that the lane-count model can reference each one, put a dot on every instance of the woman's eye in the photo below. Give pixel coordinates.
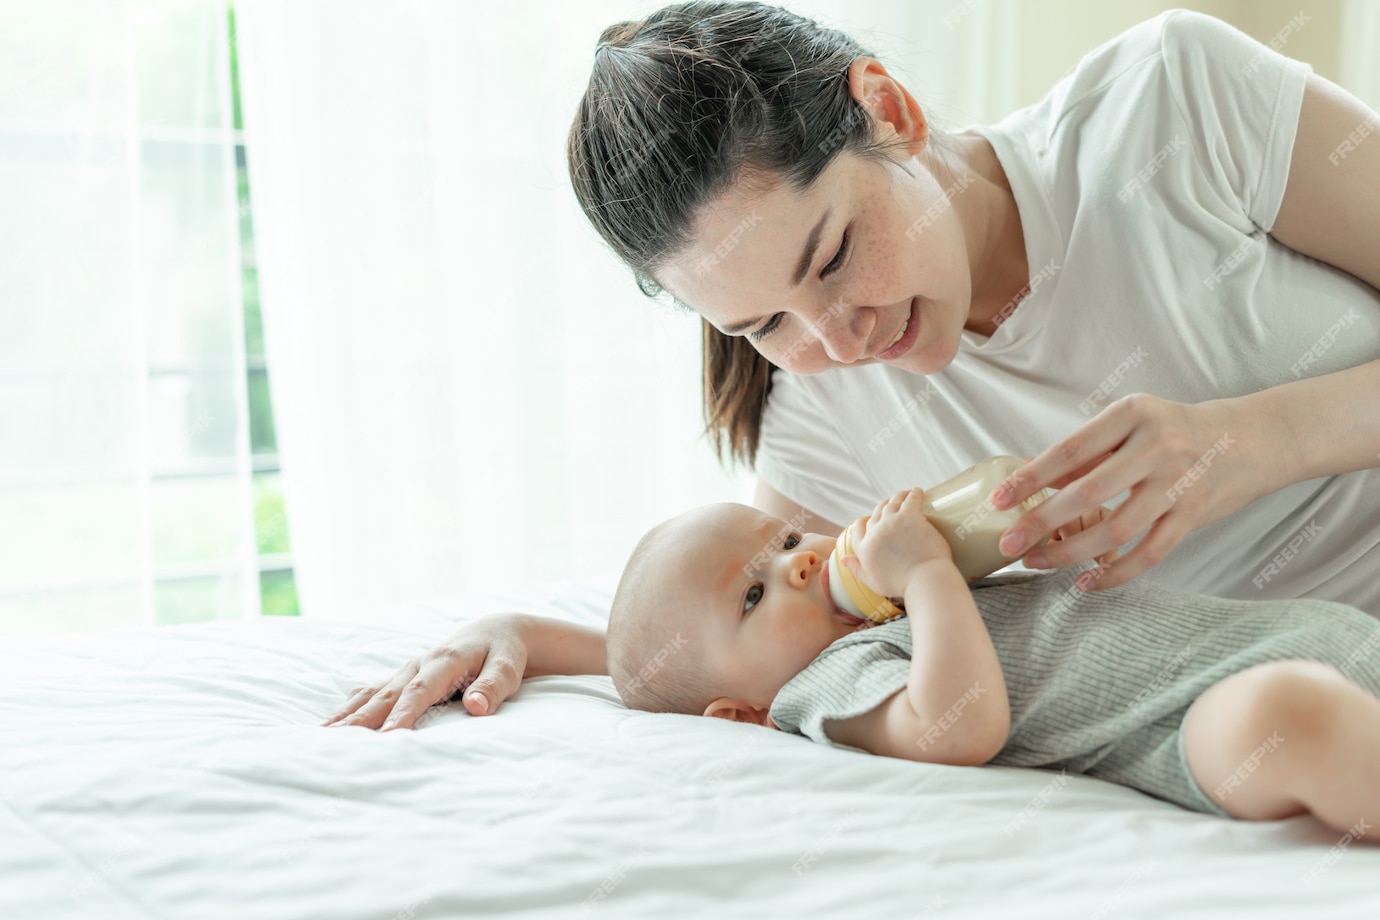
(754, 595)
(837, 262)
(760, 334)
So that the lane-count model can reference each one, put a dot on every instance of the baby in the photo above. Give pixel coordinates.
(1247, 709)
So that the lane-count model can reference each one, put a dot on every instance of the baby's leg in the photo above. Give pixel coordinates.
(1285, 737)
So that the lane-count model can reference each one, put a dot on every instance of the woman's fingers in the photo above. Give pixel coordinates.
(371, 710)
(358, 697)
(486, 658)
(442, 674)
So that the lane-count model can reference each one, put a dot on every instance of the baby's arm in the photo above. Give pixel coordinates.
(954, 708)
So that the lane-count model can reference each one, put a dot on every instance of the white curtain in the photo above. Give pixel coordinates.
(471, 393)
(125, 474)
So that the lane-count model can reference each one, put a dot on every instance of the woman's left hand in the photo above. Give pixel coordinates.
(1186, 465)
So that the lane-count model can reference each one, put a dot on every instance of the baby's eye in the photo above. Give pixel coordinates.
(792, 541)
(754, 595)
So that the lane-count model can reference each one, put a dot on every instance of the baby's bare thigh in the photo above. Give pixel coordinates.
(1253, 740)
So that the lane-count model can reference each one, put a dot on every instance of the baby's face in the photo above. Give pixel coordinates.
(762, 596)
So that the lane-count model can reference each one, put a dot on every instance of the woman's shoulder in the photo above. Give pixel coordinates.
(1186, 46)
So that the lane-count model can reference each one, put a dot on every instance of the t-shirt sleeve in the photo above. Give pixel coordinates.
(803, 455)
(1240, 100)
(849, 678)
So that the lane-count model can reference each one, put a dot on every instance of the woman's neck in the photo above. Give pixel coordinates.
(992, 230)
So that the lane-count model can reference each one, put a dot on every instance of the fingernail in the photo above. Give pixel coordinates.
(1085, 581)
(1000, 497)
(1036, 561)
(478, 700)
(1012, 544)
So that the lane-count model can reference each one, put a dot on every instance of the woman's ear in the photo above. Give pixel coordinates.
(739, 710)
(888, 102)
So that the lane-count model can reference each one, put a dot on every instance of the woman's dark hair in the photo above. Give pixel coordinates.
(682, 105)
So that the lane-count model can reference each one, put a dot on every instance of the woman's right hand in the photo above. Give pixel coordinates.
(488, 656)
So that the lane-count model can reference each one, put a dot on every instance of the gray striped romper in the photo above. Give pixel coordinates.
(1099, 682)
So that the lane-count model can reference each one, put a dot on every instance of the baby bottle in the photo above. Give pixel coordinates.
(958, 509)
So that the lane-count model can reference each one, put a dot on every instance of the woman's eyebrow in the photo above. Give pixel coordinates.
(808, 256)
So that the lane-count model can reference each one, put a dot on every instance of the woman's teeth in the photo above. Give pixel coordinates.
(899, 334)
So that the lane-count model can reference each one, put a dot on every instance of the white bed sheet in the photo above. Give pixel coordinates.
(180, 773)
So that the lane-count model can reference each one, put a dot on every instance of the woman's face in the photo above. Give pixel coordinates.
(888, 259)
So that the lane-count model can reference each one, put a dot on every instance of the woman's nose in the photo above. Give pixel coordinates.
(837, 332)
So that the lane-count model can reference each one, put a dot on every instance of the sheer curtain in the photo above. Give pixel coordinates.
(125, 473)
(471, 393)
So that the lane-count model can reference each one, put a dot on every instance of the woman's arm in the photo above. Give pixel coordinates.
(1331, 212)
(557, 647)
(1190, 465)
(487, 658)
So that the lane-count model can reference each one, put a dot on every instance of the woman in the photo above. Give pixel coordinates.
(1159, 281)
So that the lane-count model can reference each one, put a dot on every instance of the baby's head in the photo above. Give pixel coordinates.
(717, 609)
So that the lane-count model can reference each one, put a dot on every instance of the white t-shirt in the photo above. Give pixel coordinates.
(1147, 181)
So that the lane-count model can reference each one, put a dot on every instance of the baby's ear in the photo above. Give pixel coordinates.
(737, 710)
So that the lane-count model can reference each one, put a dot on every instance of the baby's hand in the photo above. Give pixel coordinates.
(892, 541)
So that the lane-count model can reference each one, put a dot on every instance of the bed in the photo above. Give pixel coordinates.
(180, 773)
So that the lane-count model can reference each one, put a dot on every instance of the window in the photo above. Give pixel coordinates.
(139, 475)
